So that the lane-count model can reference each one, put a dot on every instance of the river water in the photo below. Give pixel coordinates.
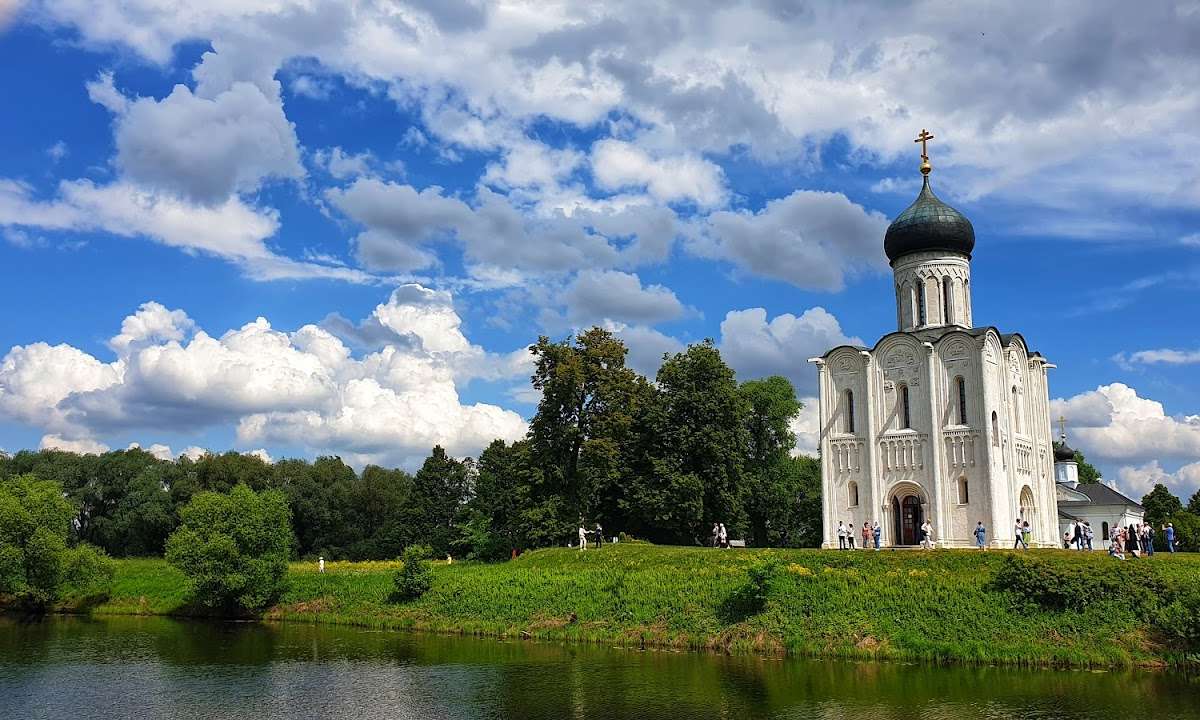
(151, 668)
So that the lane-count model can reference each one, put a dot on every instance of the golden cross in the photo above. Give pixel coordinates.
(1062, 426)
(923, 138)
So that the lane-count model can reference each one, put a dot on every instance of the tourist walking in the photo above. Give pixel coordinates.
(1148, 539)
(1131, 541)
(1026, 533)
(1088, 534)
(583, 541)
(876, 533)
(1019, 537)
(927, 535)
(841, 532)
(850, 536)
(716, 535)
(723, 535)
(866, 533)
(1169, 534)
(599, 535)
(981, 536)
(1076, 536)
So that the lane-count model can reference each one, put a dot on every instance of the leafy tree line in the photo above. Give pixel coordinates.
(658, 460)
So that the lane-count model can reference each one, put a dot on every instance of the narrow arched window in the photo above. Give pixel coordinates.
(849, 411)
(1016, 408)
(905, 417)
(966, 301)
(853, 492)
(961, 386)
(963, 494)
(947, 301)
(920, 304)
(995, 429)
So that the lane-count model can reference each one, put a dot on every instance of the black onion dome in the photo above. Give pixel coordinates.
(928, 224)
(1063, 453)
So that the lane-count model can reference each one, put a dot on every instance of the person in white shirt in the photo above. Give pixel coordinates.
(582, 538)
(841, 536)
(927, 535)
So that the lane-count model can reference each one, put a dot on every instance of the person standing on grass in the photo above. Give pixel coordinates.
(866, 533)
(841, 536)
(723, 535)
(1026, 534)
(1088, 535)
(716, 539)
(981, 536)
(320, 564)
(876, 533)
(1131, 541)
(927, 535)
(1169, 534)
(599, 535)
(1148, 537)
(583, 541)
(850, 536)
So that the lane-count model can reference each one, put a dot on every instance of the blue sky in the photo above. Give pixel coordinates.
(410, 193)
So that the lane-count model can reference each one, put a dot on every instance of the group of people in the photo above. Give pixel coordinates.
(584, 534)
(870, 534)
(1138, 540)
(720, 536)
(1078, 536)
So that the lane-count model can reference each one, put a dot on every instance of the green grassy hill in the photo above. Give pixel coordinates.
(936, 606)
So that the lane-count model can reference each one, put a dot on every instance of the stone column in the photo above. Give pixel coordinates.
(935, 447)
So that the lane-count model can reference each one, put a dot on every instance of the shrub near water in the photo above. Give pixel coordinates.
(36, 566)
(233, 548)
(415, 578)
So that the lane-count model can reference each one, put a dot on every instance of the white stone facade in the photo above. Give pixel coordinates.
(938, 421)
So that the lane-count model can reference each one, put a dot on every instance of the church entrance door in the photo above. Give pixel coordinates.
(908, 519)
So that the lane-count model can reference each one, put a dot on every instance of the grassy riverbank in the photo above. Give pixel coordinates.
(939, 606)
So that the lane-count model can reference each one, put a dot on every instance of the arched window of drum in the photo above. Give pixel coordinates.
(1104, 530)
(960, 386)
(1016, 408)
(849, 411)
(905, 418)
(947, 301)
(920, 303)
(966, 299)
(853, 492)
(995, 429)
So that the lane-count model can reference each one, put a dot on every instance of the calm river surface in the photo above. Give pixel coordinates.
(149, 668)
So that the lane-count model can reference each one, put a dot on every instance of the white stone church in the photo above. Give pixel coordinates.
(941, 420)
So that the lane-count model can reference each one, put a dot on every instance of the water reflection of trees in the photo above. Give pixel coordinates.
(279, 670)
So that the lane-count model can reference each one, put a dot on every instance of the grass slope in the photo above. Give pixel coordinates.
(934, 606)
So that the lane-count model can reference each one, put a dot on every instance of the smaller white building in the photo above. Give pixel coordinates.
(1097, 504)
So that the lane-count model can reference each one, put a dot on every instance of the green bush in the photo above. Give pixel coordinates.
(233, 548)
(88, 572)
(36, 566)
(1181, 617)
(1058, 585)
(415, 578)
(750, 598)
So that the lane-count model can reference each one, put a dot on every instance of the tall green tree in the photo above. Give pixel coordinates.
(772, 406)
(437, 503)
(1088, 474)
(705, 419)
(1193, 505)
(1160, 504)
(584, 419)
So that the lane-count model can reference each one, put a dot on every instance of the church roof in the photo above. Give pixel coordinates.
(1097, 494)
(936, 334)
(1063, 452)
(928, 224)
